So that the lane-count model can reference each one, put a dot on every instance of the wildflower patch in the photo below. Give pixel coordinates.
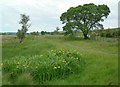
(53, 64)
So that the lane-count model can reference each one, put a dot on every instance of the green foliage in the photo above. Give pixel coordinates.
(21, 33)
(34, 33)
(109, 33)
(84, 18)
(101, 58)
(43, 32)
(53, 64)
(56, 31)
(69, 28)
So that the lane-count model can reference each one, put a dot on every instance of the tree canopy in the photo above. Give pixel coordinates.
(85, 18)
(22, 32)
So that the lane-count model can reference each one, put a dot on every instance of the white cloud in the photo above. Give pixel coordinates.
(45, 14)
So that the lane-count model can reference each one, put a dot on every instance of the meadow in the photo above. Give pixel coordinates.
(59, 60)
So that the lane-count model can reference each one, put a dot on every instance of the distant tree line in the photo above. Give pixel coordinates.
(7, 33)
(34, 33)
(45, 32)
(110, 33)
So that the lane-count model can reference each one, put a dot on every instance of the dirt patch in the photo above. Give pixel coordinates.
(8, 39)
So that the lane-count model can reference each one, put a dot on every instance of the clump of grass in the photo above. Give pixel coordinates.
(53, 64)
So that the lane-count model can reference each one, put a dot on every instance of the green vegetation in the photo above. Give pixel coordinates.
(22, 32)
(110, 33)
(34, 33)
(54, 64)
(99, 65)
(50, 58)
(84, 18)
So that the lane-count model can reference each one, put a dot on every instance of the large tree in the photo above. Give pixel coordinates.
(85, 18)
(22, 32)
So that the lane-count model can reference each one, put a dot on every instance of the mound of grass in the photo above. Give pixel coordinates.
(53, 64)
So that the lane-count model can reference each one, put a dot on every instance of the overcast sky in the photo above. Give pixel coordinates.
(45, 14)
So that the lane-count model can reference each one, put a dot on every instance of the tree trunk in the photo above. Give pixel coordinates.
(20, 40)
(86, 36)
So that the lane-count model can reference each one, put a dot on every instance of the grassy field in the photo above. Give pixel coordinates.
(101, 59)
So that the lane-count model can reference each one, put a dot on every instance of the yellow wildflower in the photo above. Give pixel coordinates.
(64, 61)
(55, 67)
(51, 50)
(41, 55)
(58, 66)
(36, 67)
(1, 64)
(18, 63)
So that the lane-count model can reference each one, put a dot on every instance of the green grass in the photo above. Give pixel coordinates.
(53, 64)
(101, 58)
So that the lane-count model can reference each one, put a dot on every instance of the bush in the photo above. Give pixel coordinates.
(53, 64)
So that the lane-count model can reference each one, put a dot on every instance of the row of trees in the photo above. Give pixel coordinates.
(48, 33)
(40, 33)
(34, 33)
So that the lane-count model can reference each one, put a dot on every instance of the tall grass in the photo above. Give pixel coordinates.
(101, 59)
(54, 64)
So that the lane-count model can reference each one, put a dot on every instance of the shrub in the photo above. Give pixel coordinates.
(53, 64)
